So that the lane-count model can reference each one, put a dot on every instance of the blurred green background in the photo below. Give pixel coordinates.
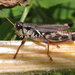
(40, 12)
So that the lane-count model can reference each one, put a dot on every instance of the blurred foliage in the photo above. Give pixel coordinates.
(40, 11)
(39, 73)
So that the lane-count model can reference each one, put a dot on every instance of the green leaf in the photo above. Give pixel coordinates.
(65, 13)
(50, 3)
(8, 12)
(6, 31)
(18, 10)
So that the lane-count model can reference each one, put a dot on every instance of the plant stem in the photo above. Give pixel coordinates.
(26, 11)
(33, 57)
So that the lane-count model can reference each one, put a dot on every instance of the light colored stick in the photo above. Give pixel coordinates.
(33, 57)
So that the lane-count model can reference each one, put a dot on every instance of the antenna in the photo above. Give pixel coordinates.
(8, 20)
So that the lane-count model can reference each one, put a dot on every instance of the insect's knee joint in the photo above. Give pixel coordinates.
(22, 42)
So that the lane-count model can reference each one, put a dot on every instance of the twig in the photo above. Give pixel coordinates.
(32, 57)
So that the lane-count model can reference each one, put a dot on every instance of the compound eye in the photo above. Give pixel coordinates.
(18, 26)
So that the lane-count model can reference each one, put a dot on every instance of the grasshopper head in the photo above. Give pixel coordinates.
(19, 27)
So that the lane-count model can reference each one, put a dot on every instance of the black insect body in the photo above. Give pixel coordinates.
(48, 33)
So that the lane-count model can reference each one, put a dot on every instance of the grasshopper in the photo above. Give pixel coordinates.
(45, 32)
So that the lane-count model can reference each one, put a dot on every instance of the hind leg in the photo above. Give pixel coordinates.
(48, 52)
